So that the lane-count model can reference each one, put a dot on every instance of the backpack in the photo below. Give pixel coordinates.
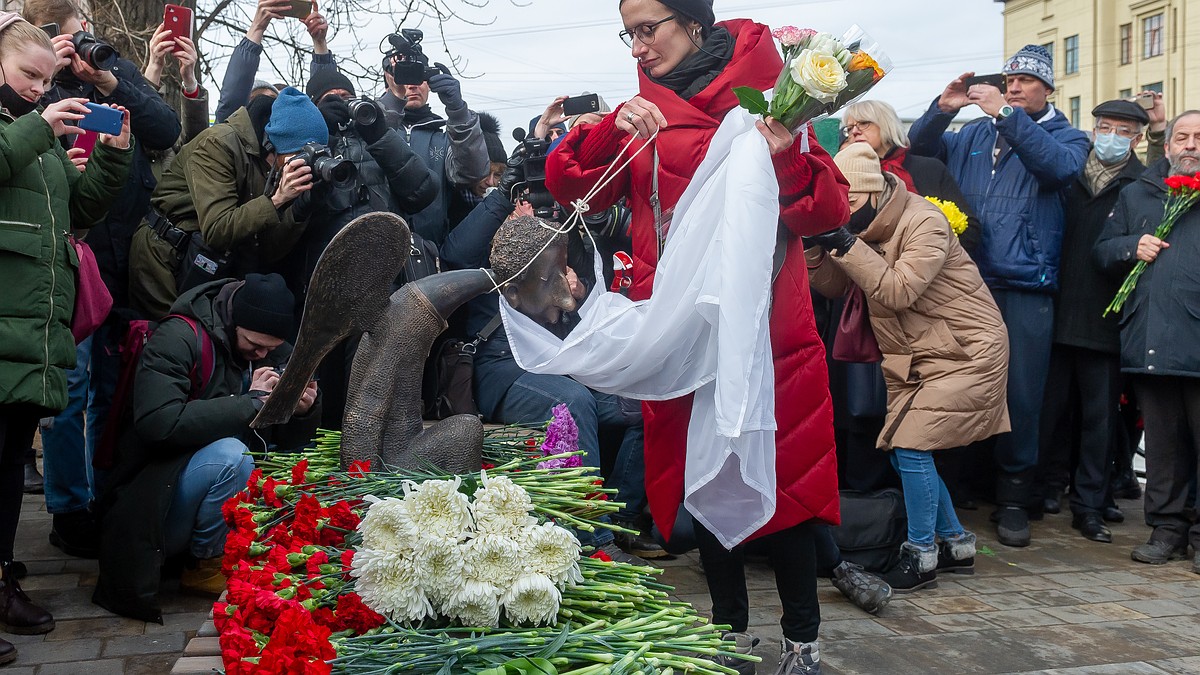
(874, 524)
(121, 413)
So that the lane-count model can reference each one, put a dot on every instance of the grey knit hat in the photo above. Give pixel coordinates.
(1032, 60)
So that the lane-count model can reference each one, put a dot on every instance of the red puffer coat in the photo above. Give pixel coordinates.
(812, 200)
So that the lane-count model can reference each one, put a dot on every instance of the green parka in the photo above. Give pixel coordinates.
(42, 196)
(215, 186)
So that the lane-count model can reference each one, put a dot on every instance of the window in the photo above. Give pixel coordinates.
(1156, 87)
(1125, 94)
(1075, 104)
(1126, 43)
(1152, 36)
(1071, 55)
(1049, 46)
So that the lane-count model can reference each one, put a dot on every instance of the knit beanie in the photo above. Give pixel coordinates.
(860, 165)
(1032, 60)
(265, 305)
(700, 10)
(295, 121)
(324, 81)
(491, 138)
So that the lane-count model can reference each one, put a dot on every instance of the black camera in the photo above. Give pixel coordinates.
(530, 160)
(97, 54)
(363, 111)
(325, 167)
(405, 61)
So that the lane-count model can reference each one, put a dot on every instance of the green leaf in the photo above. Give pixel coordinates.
(752, 99)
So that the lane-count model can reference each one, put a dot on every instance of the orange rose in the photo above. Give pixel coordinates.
(862, 61)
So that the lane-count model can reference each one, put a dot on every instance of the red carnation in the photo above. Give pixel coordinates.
(360, 468)
(601, 555)
(352, 614)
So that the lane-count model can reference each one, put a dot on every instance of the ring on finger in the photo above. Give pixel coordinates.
(630, 117)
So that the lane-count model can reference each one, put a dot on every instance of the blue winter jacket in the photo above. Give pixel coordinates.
(1019, 198)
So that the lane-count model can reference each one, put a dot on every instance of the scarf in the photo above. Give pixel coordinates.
(699, 70)
(894, 163)
(423, 114)
(1097, 175)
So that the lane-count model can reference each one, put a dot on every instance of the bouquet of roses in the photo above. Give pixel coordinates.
(1182, 193)
(821, 75)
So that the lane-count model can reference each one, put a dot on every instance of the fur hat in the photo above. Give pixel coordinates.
(860, 165)
(491, 138)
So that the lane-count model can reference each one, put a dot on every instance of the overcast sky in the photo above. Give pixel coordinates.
(530, 53)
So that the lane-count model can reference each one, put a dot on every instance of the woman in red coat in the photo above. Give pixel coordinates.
(687, 69)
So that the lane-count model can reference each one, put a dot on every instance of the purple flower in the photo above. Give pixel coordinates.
(562, 436)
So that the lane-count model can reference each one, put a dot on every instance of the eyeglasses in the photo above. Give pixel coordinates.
(644, 33)
(1119, 130)
(861, 126)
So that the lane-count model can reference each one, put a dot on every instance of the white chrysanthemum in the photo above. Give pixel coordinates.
(474, 604)
(502, 506)
(387, 584)
(438, 510)
(532, 598)
(387, 526)
(554, 552)
(493, 558)
(439, 567)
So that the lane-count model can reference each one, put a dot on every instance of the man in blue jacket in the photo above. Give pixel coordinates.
(1014, 167)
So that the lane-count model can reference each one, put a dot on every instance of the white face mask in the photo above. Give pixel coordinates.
(1111, 148)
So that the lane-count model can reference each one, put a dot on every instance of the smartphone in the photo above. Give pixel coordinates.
(1146, 101)
(997, 80)
(579, 105)
(300, 9)
(51, 29)
(102, 119)
(87, 142)
(178, 20)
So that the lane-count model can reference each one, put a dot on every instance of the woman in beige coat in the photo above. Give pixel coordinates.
(944, 345)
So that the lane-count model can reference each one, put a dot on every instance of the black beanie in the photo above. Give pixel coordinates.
(323, 81)
(699, 10)
(491, 138)
(259, 108)
(265, 305)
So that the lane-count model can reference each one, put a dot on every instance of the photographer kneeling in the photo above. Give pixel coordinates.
(225, 207)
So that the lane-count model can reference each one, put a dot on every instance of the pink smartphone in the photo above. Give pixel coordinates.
(86, 141)
(178, 20)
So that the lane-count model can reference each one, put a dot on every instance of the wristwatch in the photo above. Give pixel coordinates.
(1004, 112)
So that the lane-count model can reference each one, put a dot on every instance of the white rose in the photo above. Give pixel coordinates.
(825, 43)
(821, 76)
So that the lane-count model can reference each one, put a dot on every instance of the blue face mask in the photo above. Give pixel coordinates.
(1111, 148)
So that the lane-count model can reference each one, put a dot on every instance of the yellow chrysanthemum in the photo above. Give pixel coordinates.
(958, 219)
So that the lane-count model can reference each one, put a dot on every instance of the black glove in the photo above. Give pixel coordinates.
(336, 113)
(513, 175)
(374, 131)
(448, 89)
(836, 241)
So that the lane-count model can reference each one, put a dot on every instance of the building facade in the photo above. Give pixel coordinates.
(1106, 49)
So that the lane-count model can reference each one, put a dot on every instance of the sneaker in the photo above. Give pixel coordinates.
(613, 551)
(867, 591)
(639, 545)
(744, 643)
(203, 579)
(916, 569)
(799, 658)
(1156, 552)
(957, 555)
(76, 533)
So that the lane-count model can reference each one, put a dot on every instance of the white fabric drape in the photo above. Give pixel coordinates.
(703, 330)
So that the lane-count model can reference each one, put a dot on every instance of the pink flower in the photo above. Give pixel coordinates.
(790, 36)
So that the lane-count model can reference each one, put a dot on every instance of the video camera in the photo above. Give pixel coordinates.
(325, 167)
(530, 160)
(405, 61)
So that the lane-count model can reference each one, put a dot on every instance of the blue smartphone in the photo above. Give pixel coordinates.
(102, 119)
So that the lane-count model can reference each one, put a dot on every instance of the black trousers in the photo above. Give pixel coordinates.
(1081, 410)
(1171, 411)
(17, 426)
(793, 557)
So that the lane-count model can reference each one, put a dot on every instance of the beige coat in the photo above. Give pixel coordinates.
(945, 348)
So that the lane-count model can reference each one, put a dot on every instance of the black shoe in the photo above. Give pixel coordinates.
(8, 653)
(1113, 514)
(1012, 526)
(1092, 526)
(907, 576)
(34, 483)
(1126, 486)
(17, 570)
(18, 614)
(1156, 552)
(639, 545)
(1052, 504)
(964, 564)
(76, 533)
(867, 591)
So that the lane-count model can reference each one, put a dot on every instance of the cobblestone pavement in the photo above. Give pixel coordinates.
(1063, 605)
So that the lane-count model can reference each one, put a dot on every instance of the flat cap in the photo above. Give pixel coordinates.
(1120, 108)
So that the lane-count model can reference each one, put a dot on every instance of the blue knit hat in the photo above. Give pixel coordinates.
(1032, 60)
(295, 121)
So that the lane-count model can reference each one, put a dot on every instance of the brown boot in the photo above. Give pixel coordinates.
(18, 614)
(203, 579)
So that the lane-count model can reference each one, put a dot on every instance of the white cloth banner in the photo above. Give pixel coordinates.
(703, 330)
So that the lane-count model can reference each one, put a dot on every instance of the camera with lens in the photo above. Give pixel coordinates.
(530, 160)
(94, 52)
(405, 61)
(363, 111)
(325, 167)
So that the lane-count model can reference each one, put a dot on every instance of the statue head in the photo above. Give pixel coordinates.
(541, 291)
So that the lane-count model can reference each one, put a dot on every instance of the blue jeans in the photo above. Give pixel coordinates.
(194, 522)
(926, 499)
(1029, 318)
(70, 479)
(531, 398)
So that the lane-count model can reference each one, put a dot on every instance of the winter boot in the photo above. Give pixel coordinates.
(957, 554)
(799, 658)
(18, 614)
(744, 644)
(203, 579)
(915, 570)
(76, 533)
(8, 653)
(1014, 493)
(867, 591)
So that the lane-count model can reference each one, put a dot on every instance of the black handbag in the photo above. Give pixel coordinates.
(201, 264)
(454, 376)
(866, 391)
(874, 525)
